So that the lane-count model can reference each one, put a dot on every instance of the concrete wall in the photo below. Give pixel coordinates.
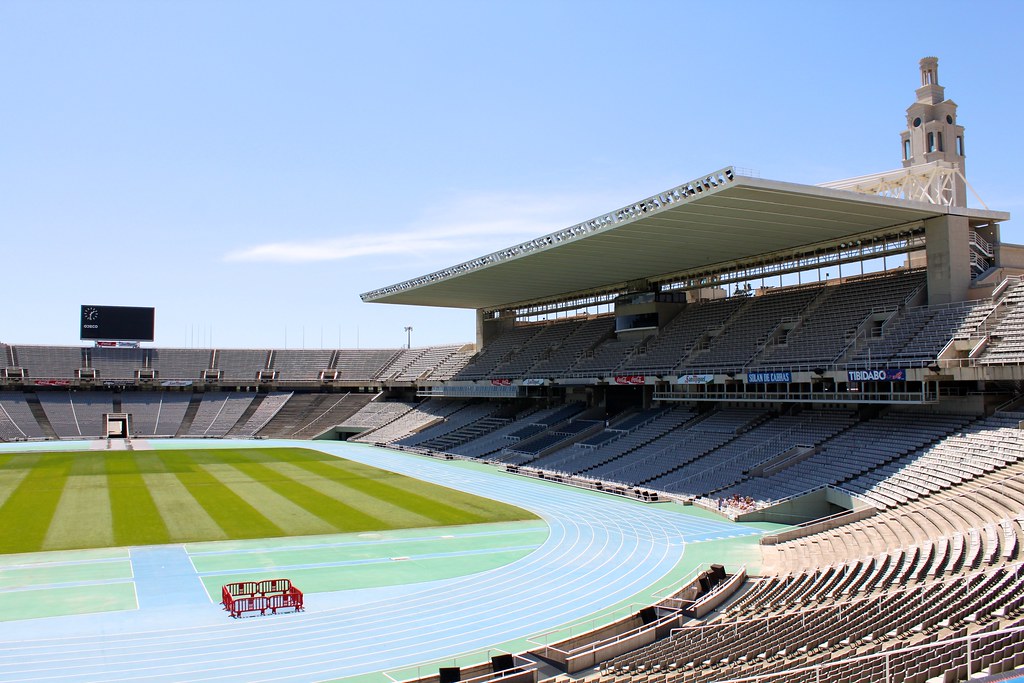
(1011, 256)
(819, 503)
(949, 258)
(713, 600)
(488, 329)
(816, 527)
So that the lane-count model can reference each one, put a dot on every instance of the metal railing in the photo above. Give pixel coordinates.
(983, 245)
(927, 395)
(975, 647)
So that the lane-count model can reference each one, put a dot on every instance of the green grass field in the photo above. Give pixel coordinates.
(95, 499)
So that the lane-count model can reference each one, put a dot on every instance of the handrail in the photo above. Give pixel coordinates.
(631, 611)
(983, 244)
(1005, 283)
(813, 526)
(525, 666)
(885, 655)
(668, 591)
(926, 395)
(760, 448)
(881, 599)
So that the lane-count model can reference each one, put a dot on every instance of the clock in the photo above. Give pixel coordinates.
(91, 313)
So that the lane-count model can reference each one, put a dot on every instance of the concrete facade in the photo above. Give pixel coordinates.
(948, 247)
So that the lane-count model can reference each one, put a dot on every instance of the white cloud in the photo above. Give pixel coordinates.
(465, 228)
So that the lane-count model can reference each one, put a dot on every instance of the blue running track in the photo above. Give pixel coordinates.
(601, 550)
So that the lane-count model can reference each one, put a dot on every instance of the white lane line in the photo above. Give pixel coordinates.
(598, 552)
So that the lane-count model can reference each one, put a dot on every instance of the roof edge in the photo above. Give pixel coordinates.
(852, 195)
(651, 205)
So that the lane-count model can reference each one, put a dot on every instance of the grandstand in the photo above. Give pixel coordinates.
(847, 361)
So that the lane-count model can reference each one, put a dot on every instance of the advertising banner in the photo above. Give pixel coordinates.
(885, 375)
(117, 345)
(482, 390)
(769, 377)
(695, 379)
(631, 380)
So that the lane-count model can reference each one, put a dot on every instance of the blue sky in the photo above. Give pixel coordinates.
(249, 168)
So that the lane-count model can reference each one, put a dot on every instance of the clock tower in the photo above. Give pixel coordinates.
(933, 134)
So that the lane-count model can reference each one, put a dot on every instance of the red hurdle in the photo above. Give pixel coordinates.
(260, 596)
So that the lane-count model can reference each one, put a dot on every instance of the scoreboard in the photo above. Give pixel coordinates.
(117, 323)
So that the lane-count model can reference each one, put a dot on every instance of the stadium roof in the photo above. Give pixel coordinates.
(720, 218)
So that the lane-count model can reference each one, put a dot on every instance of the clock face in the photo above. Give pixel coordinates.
(91, 313)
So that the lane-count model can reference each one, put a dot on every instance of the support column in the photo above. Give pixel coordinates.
(489, 328)
(949, 258)
(479, 329)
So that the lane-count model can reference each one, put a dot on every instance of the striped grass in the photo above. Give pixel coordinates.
(413, 495)
(83, 513)
(135, 515)
(25, 515)
(233, 513)
(345, 517)
(56, 501)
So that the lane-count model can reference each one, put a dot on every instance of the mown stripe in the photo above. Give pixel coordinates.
(230, 511)
(136, 519)
(20, 461)
(98, 498)
(184, 517)
(272, 455)
(30, 507)
(10, 479)
(341, 493)
(456, 508)
(186, 520)
(82, 518)
(342, 514)
(284, 510)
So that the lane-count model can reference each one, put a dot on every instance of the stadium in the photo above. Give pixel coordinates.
(738, 430)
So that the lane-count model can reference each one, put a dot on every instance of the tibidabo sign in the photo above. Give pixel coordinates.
(886, 375)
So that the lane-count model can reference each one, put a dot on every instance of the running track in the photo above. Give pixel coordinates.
(601, 551)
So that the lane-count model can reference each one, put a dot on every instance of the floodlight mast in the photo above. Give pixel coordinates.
(408, 337)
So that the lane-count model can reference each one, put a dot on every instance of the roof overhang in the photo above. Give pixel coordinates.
(719, 218)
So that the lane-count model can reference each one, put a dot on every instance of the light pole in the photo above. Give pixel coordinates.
(408, 337)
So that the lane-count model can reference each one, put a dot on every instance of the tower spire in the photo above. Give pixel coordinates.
(933, 134)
